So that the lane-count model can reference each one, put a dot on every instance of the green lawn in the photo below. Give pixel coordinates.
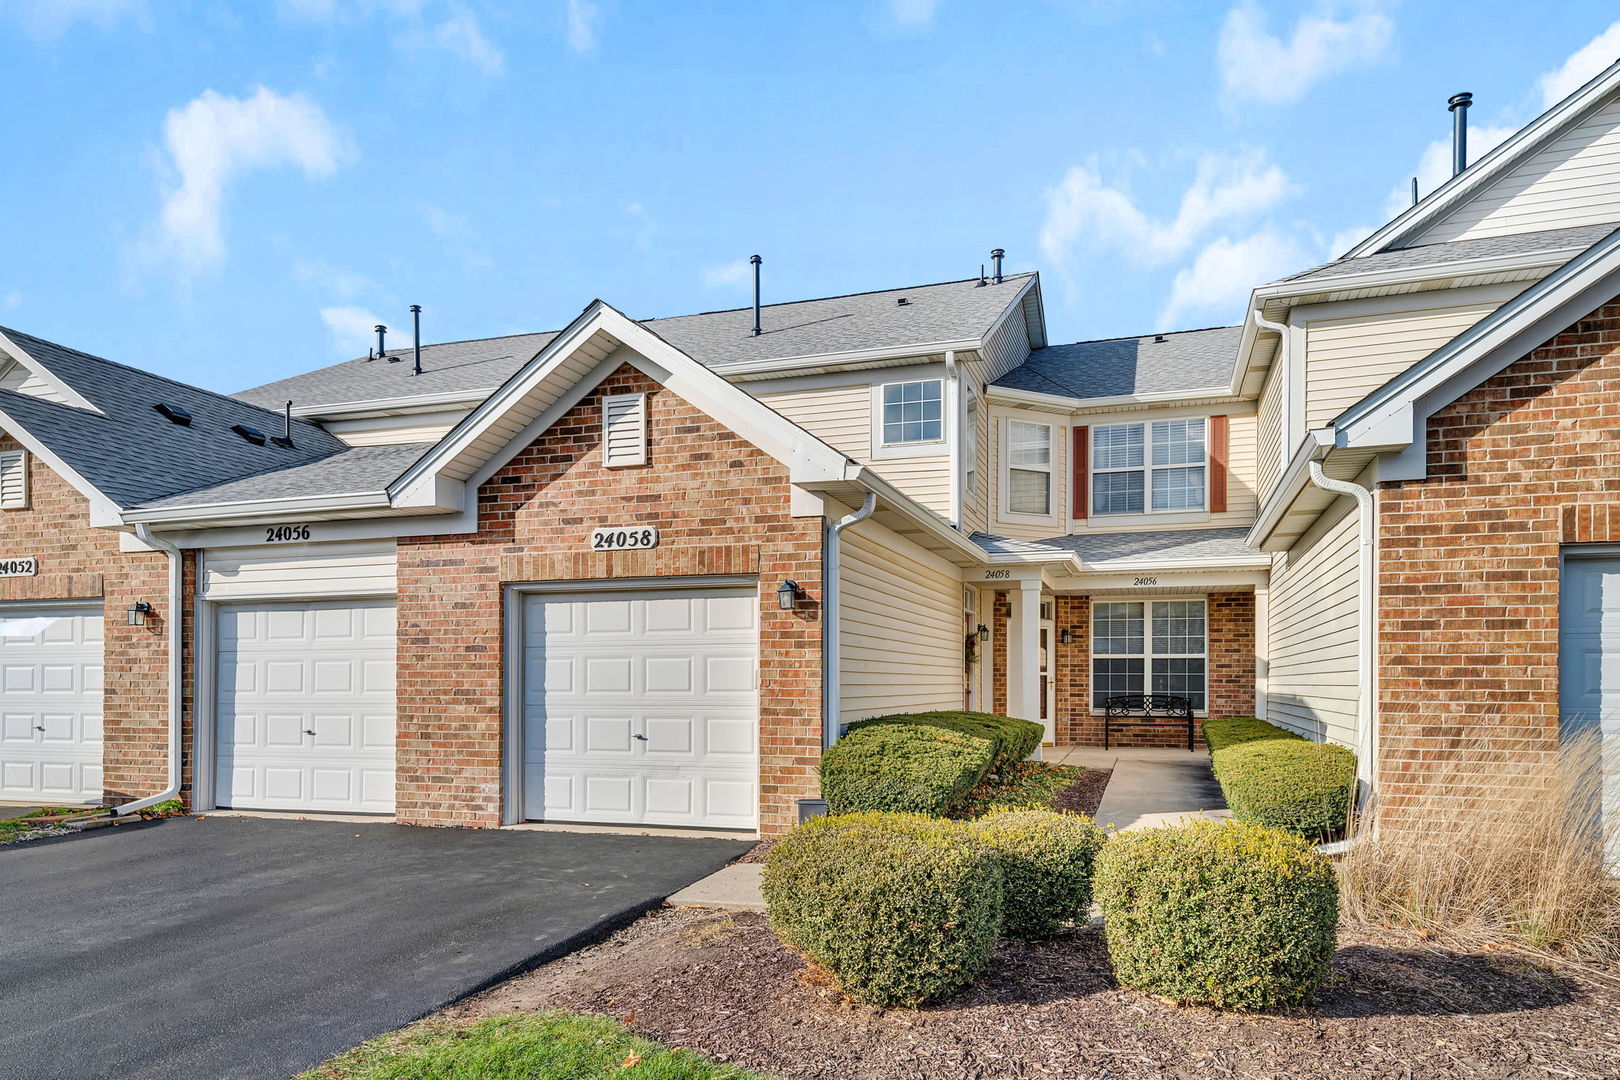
(530, 1046)
(1029, 785)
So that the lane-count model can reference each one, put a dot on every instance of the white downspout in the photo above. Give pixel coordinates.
(953, 433)
(1366, 626)
(176, 624)
(830, 635)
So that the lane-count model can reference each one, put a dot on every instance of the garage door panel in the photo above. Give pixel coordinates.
(50, 703)
(1589, 664)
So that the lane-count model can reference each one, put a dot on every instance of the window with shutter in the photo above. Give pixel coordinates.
(13, 480)
(624, 430)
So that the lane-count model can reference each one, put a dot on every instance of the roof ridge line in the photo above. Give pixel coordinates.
(836, 296)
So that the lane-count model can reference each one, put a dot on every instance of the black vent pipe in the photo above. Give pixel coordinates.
(416, 326)
(756, 260)
(381, 330)
(995, 259)
(1459, 130)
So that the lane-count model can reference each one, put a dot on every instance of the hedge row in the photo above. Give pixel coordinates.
(920, 763)
(1271, 776)
(1013, 740)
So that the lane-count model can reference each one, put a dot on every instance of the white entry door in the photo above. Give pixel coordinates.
(50, 703)
(642, 707)
(1589, 661)
(304, 706)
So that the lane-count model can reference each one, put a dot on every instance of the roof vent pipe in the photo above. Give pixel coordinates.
(756, 260)
(995, 259)
(416, 327)
(1459, 130)
(982, 283)
(381, 330)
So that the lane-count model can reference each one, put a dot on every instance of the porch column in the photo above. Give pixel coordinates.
(1023, 651)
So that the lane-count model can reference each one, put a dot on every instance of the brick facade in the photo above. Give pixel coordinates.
(78, 562)
(1469, 565)
(721, 507)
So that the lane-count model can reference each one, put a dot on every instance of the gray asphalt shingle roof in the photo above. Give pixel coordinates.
(131, 453)
(950, 311)
(1185, 360)
(1165, 545)
(1579, 236)
(357, 470)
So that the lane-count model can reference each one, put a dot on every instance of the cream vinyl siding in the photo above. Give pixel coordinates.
(841, 416)
(1023, 526)
(1242, 483)
(1347, 359)
(976, 503)
(1005, 348)
(388, 430)
(1574, 180)
(298, 571)
(18, 379)
(1269, 450)
(1313, 609)
(900, 617)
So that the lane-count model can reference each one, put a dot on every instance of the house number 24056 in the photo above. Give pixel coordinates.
(282, 534)
(1145, 581)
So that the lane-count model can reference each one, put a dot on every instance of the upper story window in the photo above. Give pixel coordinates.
(914, 412)
(1142, 468)
(1029, 468)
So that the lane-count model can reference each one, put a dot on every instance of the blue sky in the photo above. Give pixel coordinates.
(229, 195)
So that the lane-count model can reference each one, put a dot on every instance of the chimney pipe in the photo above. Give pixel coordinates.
(1414, 191)
(995, 259)
(1459, 130)
(286, 427)
(416, 326)
(381, 330)
(756, 260)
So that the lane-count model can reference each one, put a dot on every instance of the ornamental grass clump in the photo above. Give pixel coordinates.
(1046, 861)
(1227, 914)
(899, 909)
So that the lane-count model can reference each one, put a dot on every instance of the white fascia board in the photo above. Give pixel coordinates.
(399, 406)
(1259, 560)
(265, 509)
(1059, 403)
(104, 512)
(1294, 480)
(74, 398)
(1460, 188)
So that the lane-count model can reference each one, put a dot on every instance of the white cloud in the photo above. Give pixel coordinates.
(1259, 66)
(582, 19)
(1222, 276)
(50, 19)
(1582, 65)
(461, 36)
(1434, 165)
(214, 139)
(913, 12)
(353, 328)
(1083, 212)
(732, 275)
(459, 33)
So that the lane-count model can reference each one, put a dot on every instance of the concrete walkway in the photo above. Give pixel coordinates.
(1149, 786)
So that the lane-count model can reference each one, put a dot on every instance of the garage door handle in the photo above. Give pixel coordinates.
(309, 731)
(643, 738)
(39, 727)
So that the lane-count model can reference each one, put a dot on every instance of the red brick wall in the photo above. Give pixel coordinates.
(1469, 565)
(1071, 667)
(78, 562)
(721, 506)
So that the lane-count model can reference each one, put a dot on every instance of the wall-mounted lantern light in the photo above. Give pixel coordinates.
(983, 631)
(1066, 636)
(787, 595)
(137, 613)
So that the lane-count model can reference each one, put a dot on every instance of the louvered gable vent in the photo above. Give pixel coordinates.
(13, 480)
(624, 430)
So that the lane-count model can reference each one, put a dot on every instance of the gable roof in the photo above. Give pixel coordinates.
(126, 450)
(948, 314)
(1154, 545)
(357, 470)
(1568, 241)
(1169, 363)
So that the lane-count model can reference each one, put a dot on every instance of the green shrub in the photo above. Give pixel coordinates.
(1232, 730)
(1046, 862)
(1304, 787)
(898, 908)
(1013, 739)
(1218, 913)
(903, 768)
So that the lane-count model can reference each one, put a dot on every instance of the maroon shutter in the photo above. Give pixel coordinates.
(1218, 426)
(1082, 471)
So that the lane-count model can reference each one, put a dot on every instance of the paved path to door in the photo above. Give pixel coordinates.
(1149, 786)
(240, 948)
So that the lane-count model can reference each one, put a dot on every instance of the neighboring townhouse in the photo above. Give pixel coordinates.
(643, 572)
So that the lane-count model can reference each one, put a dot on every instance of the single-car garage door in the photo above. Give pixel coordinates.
(642, 707)
(304, 708)
(50, 703)
(1589, 659)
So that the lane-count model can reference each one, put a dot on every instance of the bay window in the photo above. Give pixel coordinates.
(1029, 468)
(1148, 468)
(1148, 647)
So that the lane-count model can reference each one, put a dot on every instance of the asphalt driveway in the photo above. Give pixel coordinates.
(250, 949)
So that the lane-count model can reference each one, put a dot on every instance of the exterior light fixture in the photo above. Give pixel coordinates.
(983, 631)
(137, 613)
(787, 595)
(1066, 636)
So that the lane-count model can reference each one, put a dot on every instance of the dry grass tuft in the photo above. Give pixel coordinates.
(1487, 856)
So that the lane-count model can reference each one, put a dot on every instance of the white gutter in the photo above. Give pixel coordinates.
(1367, 629)
(1075, 406)
(830, 632)
(176, 621)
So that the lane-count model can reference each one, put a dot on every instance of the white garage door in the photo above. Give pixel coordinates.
(1589, 660)
(305, 706)
(50, 703)
(642, 707)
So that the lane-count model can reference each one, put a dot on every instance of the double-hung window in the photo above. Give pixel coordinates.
(913, 412)
(1148, 468)
(1029, 468)
(1148, 647)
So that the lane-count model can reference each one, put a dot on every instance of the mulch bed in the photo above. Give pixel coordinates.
(1084, 795)
(1394, 1008)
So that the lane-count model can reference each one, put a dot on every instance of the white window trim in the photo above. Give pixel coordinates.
(932, 448)
(25, 497)
(970, 445)
(1004, 473)
(1147, 468)
(1148, 656)
(639, 401)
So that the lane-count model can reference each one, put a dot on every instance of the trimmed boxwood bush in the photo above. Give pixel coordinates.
(1013, 739)
(1304, 787)
(1231, 730)
(1218, 913)
(1046, 863)
(904, 768)
(899, 909)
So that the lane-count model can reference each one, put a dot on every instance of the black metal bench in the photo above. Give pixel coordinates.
(1145, 710)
